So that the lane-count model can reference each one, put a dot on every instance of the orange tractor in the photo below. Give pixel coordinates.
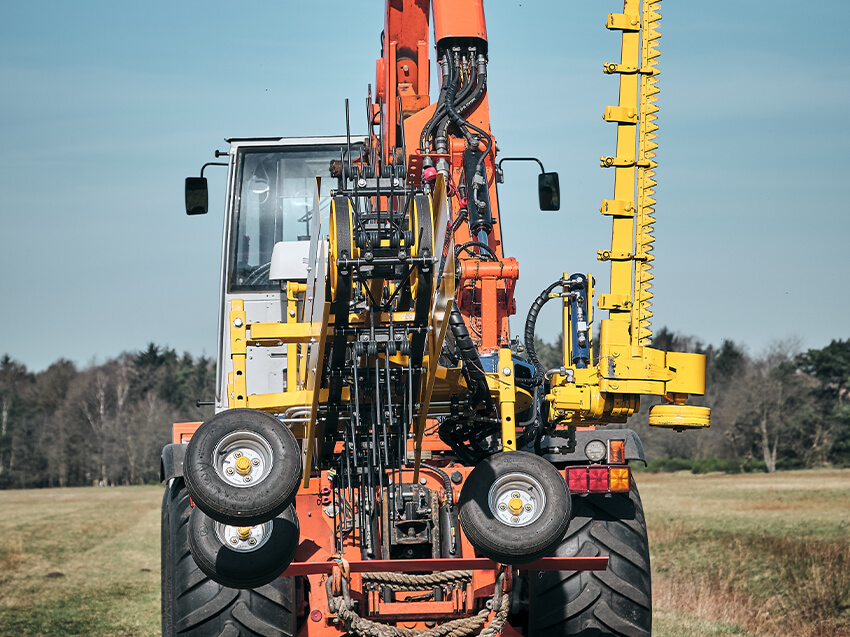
(384, 458)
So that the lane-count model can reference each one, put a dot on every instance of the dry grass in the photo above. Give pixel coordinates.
(732, 555)
(753, 554)
(80, 562)
(11, 553)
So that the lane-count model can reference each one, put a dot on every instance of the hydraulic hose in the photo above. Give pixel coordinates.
(477, 244)
(450, 103)
(447, 481)
(448, 516)
(439, 113)
(451, 95)
(531, 322)
(472, 363)
(466, 348)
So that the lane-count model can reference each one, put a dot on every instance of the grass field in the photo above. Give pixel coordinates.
(751, 554)
(731, 555)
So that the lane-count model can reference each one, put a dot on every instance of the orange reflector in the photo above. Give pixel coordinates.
(619, 479)
(617, 451)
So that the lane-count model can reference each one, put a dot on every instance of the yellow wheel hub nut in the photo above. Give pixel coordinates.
(244, 532)
(515, 505)
(243, 465)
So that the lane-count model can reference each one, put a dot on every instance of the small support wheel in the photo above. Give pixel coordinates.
(242, 467)
(243, 556)
(514, 507)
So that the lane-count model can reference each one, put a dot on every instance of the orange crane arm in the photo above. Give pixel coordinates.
(453, 134)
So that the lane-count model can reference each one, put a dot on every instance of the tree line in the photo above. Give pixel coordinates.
(104, 424)
(107, 423)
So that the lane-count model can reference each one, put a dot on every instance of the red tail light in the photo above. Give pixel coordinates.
(577, 479)
(598, 479)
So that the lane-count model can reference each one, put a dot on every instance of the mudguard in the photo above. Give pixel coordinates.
(171, 465)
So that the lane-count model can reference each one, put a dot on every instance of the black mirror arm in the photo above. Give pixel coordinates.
(216, 163)
(504, 159)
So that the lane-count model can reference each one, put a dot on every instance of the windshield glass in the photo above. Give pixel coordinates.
(275, 200)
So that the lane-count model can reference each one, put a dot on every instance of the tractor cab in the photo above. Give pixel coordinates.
(277, 203)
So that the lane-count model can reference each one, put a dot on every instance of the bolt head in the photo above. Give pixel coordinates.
(506, 371)
(234, 540)
(247, 478)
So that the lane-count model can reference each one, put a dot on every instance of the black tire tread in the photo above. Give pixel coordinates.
(199, 607)
(166, 566)
(616, 602)
(249, 505)
(249, 570)
(497, 541)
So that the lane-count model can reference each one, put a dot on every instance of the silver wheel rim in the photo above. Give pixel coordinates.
(517, 499)
(250, 539)
(236, 446)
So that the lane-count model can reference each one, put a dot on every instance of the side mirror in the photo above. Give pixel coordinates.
(549, 191)
(197, 196)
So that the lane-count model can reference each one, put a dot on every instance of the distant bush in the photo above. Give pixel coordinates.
(702, 465)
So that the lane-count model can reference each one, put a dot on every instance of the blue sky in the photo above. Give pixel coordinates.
(106, 106)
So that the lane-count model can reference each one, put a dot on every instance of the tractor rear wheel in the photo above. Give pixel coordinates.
(616, 602)
(193, 605)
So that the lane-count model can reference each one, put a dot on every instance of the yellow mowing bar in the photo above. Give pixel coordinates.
(632, 208)
(645, 218)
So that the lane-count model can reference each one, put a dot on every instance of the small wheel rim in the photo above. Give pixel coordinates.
(243, 539)
(517, 499)
(243, 458)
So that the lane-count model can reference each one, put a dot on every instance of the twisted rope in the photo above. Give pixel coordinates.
(405, 582)
(343, 607)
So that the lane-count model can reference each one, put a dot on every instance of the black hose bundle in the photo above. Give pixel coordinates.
(531, 322)
(455, 100)
(490, 255)
(468, 437)
(471, 362)
(467, 434)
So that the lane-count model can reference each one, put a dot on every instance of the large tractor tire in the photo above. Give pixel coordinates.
(193, 605)
(615, 602)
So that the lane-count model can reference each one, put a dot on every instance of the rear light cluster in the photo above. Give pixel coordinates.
(598, 479)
